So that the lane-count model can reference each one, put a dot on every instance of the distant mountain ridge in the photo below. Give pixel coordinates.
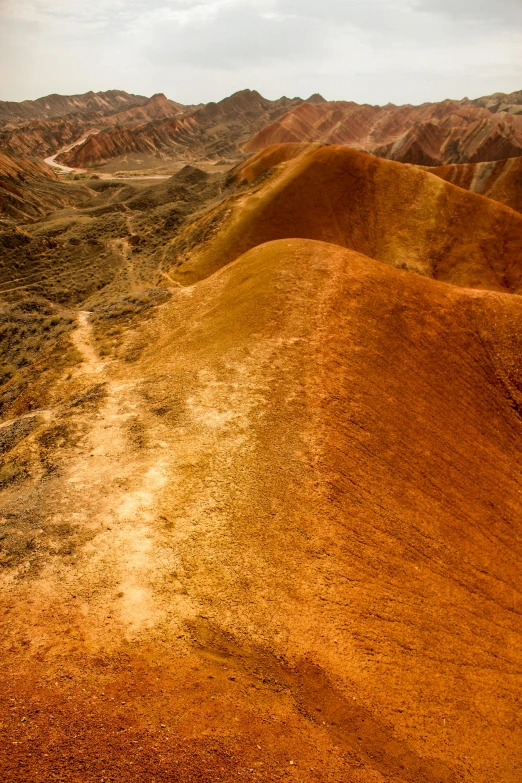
(431, 134)
(43, 136)
(212, 131)
(55, 105)
(500, 102)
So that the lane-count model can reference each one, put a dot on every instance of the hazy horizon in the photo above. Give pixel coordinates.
(241, 89)
(197, 51)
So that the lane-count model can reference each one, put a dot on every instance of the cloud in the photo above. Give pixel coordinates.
(198, 50)
(225, 34)
(232, 34)
(503, 13)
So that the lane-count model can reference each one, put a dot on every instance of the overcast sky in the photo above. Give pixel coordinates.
(373, 51)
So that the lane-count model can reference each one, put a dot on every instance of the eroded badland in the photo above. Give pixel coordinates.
(261, 478)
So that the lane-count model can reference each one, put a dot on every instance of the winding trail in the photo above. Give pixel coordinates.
(83, 339)
(51, 160)
(114, 481)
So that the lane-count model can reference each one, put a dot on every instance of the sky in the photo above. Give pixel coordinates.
(369, 51)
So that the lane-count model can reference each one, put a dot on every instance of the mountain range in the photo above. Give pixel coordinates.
(116, 125)
(431, 134)
(90, 104)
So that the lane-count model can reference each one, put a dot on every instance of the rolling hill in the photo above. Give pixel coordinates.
(397, 214)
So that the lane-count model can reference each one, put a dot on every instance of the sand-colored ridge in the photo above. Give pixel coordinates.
(267, 158)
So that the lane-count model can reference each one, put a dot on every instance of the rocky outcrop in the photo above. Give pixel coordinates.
(500, 180)
(29, 189)
(430, 135)
(211, 131)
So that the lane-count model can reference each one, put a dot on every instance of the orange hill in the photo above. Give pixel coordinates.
(309, 568)
(398, 214)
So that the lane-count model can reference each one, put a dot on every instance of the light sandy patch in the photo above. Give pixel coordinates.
(83, 339)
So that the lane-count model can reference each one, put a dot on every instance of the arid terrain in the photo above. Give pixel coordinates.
(123, 132)
(260, 442)
(500, 180)
(429, 135)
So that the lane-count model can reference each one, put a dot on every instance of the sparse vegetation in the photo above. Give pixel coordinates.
(28, 328)
(105, 255)
(113, 317)
(11, 471)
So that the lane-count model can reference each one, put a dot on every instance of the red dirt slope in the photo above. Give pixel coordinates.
(431, 134)
(42, 137)
(211, 131)
(287, 549)
(500, 180)
(29, 189)
(394, 213)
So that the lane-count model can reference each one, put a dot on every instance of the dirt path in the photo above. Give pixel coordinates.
(51, 160)
(113, 484)
(61, 169)
(83, 339)
(170, 279)
(42, 413)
